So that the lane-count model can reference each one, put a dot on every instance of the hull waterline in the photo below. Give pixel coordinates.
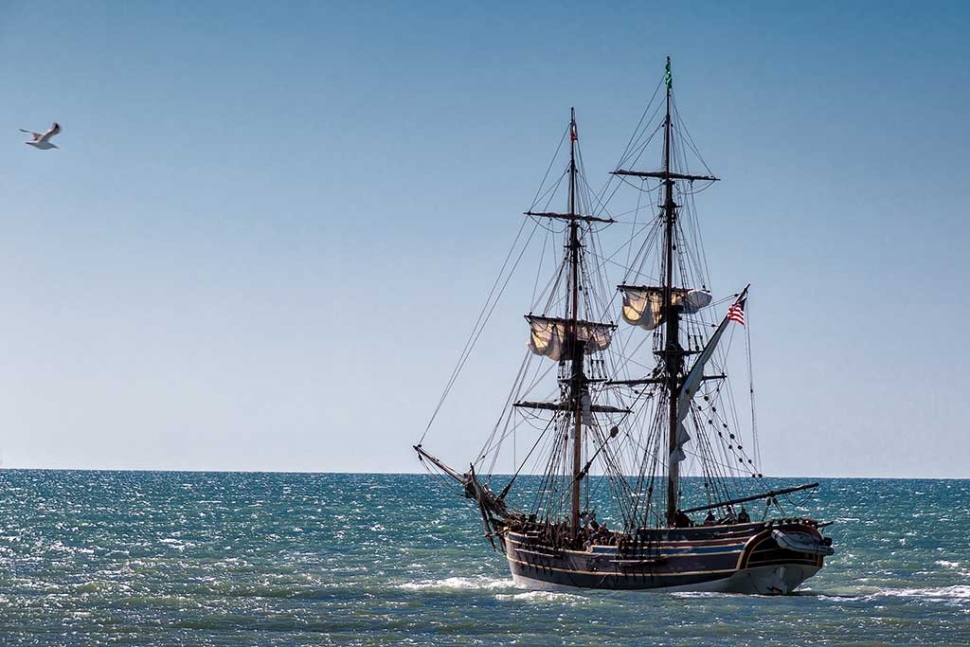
(762, 580)
(730, 559)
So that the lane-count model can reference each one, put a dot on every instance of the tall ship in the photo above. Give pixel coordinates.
(620, 460)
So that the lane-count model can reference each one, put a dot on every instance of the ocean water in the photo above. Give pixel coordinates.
(156, 558)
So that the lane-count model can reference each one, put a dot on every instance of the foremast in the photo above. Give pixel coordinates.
(673, 354)
(569, 339)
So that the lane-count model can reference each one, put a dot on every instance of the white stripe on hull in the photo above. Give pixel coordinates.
(764, 580)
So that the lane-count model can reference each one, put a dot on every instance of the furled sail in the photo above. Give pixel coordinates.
(643, 304)
(693, 382)
(551, 336)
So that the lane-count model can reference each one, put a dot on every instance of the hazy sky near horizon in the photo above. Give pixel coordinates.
(270, 226)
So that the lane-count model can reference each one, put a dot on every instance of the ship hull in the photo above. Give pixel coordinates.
(744, 558)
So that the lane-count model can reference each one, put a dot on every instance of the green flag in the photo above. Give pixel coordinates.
(668, 78)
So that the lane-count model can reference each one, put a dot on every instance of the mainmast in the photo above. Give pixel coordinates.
(577, 383)
(673, 353)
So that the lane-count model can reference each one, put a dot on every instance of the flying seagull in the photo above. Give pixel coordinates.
(42, 140)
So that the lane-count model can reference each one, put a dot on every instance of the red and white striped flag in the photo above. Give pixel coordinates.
(736, 312)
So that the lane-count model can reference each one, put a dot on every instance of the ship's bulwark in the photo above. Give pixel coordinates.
(741, 558)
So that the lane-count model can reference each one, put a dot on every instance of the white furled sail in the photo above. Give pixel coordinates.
(643, 304)
(550, 337)
(693, 382)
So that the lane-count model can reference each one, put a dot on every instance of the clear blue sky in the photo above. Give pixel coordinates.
(270, 225)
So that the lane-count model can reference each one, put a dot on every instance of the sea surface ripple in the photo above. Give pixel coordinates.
(167, 558)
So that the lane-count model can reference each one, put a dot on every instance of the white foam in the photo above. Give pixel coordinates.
(698, 594)
(542, 596)
(479, 582)
(172, 542)
(956, 592)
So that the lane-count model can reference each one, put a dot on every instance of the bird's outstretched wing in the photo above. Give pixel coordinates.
(36, 136)
(53, 130)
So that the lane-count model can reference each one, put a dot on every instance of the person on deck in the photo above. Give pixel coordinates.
(709, 520)
(743, 516)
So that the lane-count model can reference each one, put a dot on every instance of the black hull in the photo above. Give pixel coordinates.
(742, 558)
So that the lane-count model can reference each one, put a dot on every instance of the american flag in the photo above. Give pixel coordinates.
(736, 311)
(573, 135)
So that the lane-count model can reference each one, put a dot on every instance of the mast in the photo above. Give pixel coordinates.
(673, 353)
(578, 347)
(566, 340)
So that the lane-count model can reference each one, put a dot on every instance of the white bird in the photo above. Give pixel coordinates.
(42, 140)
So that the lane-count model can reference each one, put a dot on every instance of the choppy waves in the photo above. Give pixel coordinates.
(94, 558)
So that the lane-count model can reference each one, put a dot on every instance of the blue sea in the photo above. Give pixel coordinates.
(168, 558)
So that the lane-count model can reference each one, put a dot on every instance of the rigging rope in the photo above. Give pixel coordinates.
(479, 326)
